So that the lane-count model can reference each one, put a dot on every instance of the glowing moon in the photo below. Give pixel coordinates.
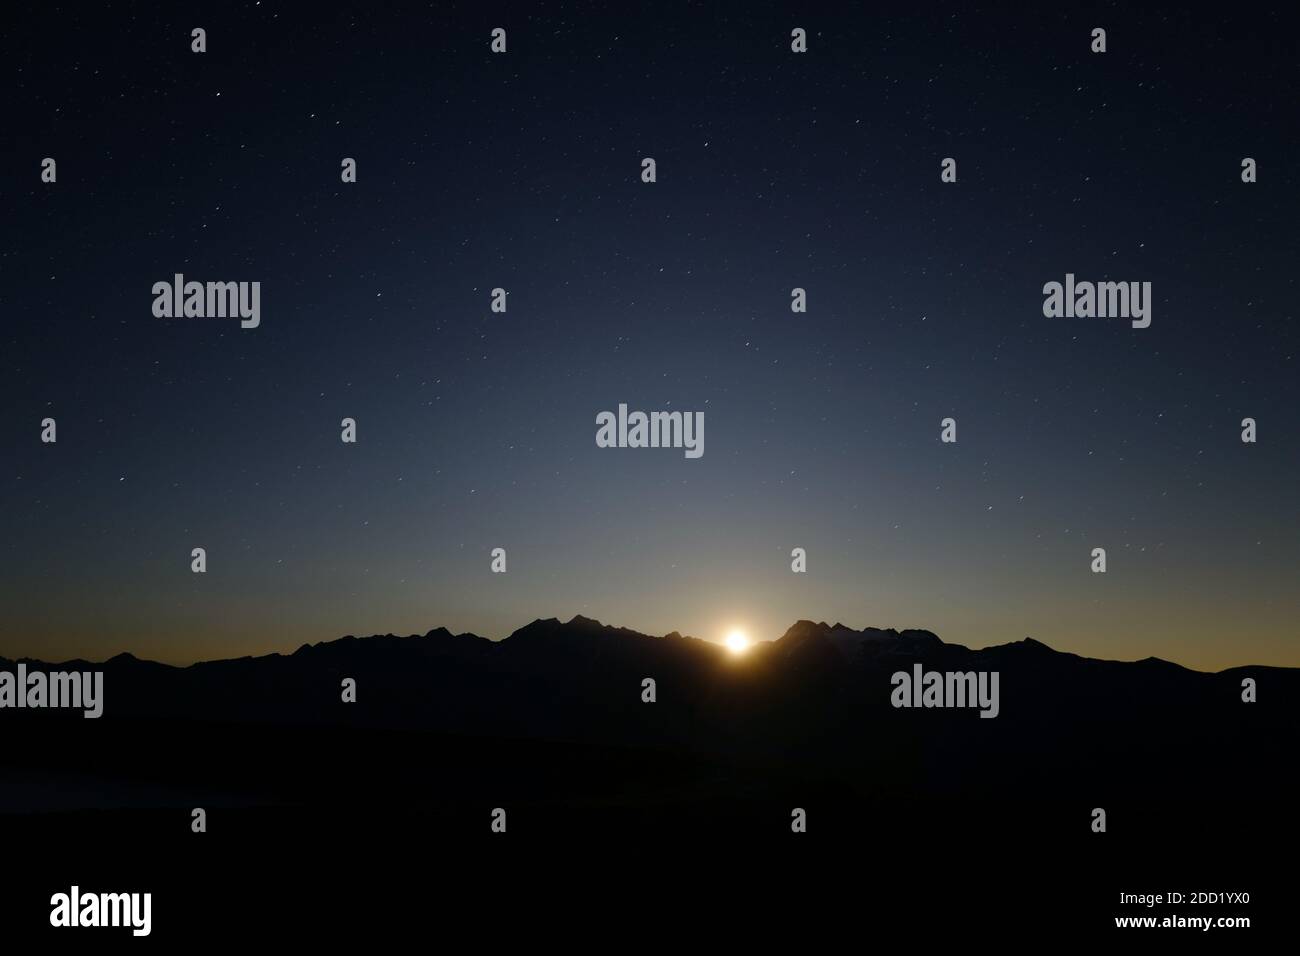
(737, 642)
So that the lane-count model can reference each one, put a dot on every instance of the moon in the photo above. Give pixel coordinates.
(738, 642)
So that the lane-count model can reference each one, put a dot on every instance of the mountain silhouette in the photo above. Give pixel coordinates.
(814, 703)
(305, 794)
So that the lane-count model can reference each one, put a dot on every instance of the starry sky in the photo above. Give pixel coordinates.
(476, 430)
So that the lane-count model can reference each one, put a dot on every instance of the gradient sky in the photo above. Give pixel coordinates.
(477, 430)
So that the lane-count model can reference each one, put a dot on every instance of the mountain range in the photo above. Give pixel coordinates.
(812, 705)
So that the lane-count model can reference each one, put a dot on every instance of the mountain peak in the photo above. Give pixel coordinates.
(803, 629)
(806, 637)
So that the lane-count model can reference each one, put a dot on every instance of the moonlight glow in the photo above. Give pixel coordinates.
(737, 642)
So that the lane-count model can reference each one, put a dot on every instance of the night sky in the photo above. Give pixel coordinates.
(775, 170)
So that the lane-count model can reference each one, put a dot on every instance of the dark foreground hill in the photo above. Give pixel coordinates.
(324, 816)
(556, 711)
